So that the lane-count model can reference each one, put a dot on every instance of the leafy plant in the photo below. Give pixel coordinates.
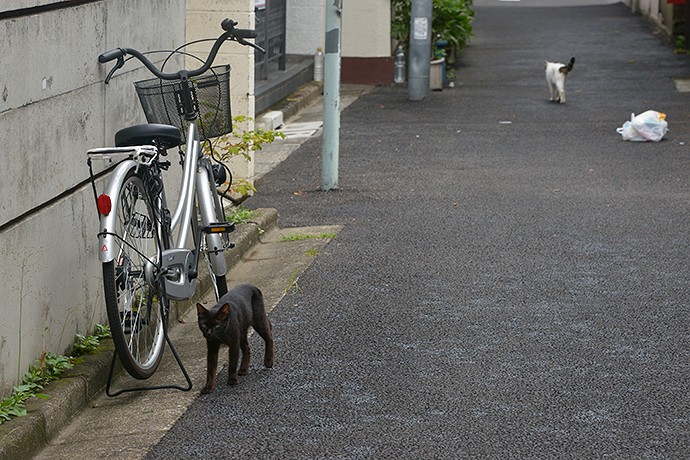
(85, 345)
(451, 21)
(400, 23)
(241, 142)
(48, 367)
(681, 45)
(239, 215)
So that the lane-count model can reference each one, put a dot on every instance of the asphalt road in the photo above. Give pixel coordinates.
(511, 279)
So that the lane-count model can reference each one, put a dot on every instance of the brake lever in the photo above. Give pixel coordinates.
(244, 42)
(118, 65)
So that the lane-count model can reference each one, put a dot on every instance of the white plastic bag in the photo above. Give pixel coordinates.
(648, 126)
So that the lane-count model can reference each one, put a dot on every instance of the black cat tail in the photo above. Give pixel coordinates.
(570, 65)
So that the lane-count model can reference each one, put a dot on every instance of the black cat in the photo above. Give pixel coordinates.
(228, 322)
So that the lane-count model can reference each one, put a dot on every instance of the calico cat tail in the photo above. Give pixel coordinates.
(569, 67)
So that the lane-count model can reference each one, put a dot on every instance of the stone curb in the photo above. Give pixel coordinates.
(22, 437)
(304, 96)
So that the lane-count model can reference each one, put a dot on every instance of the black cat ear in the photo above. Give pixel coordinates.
(224, 311)
(200, 309)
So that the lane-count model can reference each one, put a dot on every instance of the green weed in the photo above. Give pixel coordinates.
(47, 368)
(240, 215)
(302, 237)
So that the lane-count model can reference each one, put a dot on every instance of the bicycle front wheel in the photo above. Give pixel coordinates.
(136, 306)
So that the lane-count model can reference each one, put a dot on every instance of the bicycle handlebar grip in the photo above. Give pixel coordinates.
(244, 33)
(111, 55)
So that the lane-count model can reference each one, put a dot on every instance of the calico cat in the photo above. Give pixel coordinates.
(228, 322)
(555, 77)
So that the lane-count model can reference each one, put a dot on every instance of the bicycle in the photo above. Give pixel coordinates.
(143, 266)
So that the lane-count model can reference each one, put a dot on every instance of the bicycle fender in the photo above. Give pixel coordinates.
(106, 241)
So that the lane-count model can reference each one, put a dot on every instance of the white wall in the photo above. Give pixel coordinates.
(305, 26)
(366, 28)
(203, 21)
(53, 107)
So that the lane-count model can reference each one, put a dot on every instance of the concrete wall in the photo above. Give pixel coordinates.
(53, 107)
(9, 5)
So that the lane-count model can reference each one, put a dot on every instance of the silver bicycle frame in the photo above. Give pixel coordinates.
(179, 258)
(196, 177)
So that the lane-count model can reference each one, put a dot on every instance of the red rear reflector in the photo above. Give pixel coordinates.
(104, 204)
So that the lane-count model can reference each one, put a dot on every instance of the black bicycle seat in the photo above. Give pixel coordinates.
(165, 136)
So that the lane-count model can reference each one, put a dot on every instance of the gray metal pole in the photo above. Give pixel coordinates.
(331, 97)
(420, 50)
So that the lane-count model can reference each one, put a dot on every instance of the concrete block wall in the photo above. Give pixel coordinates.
(203, 21)
(54, 107)
(305, 26)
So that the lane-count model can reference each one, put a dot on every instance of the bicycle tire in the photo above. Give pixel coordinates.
(135, 303)
(221, 282)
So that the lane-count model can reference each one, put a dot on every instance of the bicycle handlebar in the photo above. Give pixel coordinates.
(229, 25)
(231, 33)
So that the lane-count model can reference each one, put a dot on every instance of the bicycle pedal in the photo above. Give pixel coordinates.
(220, 227)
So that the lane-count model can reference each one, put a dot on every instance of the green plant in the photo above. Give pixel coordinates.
(292, 286)
(400, 23)
(239, 215)
(451, 21)
(301, 237)
(241, 142)
(681, 46)
(48, 367)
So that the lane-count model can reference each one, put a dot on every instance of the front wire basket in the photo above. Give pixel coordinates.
(162, 102)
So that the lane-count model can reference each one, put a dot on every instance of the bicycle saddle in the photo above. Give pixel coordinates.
(165, 136)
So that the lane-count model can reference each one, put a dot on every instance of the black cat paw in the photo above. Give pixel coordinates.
(233, 381)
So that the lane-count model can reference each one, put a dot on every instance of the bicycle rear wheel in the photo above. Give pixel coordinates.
(136, 305)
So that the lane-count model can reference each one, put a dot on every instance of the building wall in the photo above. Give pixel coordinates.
(203, 21)
(659, 12)
(366, 43)
(305, 26)
(367, 55)
(53, 107)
